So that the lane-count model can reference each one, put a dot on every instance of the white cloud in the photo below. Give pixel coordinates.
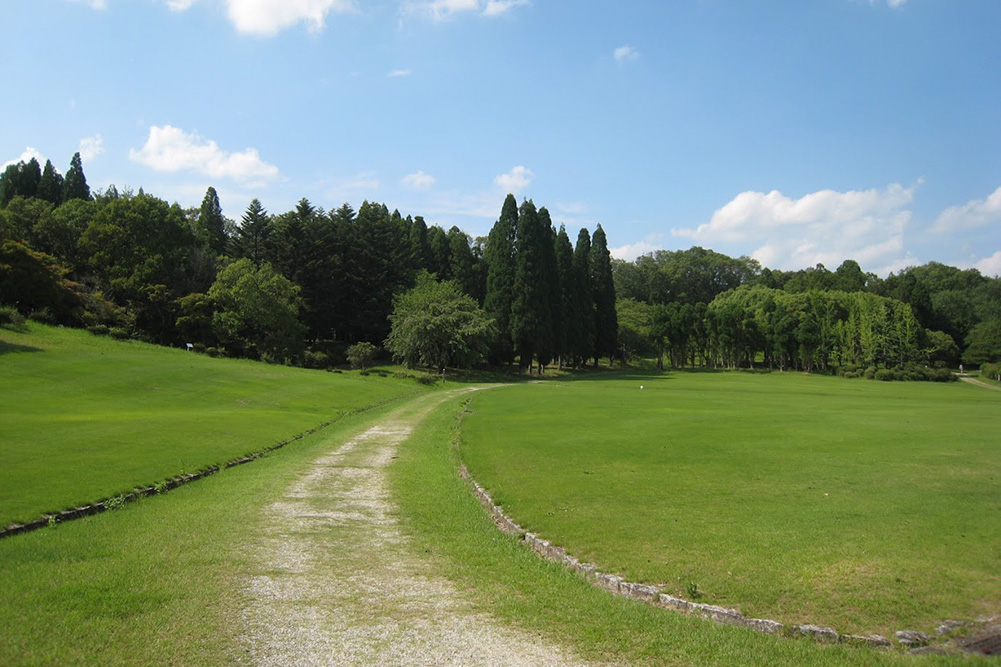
(418, 181)
(625, 53)
(268, 17)
(179, 5)
(29, 152)
(822, 227)
(499, 7)
(172, 149)
(991, 266)
(91, 147)
(94, 4)
(401, 72)
(895, 4)
(632, 251)
(515, 180)
(975, 213)
(440, 10)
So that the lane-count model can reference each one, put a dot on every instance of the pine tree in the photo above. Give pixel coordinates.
(75, 183)
(254, 233)
(499, 257)
(420, 248)
(606, 325)
(462, 262)
(210, 223)
(50, 187)
(549, 348)
(441, 253)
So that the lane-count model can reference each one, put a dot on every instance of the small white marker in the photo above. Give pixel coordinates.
(641, 386)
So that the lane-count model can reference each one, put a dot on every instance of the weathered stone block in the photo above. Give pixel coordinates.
(639, 591)
(911, 638)
(671, 602)
(817, 632)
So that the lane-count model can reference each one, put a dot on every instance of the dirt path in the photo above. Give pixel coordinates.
(979, 383)
(338, 583)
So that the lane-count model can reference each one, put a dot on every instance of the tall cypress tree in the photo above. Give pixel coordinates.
(549, 347)
(75, 183)
(499, 257)
(50, 187)
(463, 264)
(582, 322)
(567, 284)
(531, 321)
(420, 247)
(606, 324)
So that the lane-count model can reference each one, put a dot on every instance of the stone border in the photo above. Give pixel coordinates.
(114, 502)
(908, 639)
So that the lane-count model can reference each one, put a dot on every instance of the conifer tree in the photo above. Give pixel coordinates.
(75, 183)
(462, 262)
(531, 321)
(567, 284)
(606, 324)
(499, 257)
(50, 187)
(549, 347)
(582, 322)
(210, 223)
(251, 240)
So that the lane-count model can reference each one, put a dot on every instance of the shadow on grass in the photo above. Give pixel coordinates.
(9, 348)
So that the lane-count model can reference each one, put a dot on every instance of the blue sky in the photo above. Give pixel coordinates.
(795, 132)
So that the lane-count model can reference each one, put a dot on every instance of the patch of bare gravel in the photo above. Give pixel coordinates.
(337, 582)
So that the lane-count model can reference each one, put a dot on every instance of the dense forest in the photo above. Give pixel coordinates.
(305, 285)
(295, 287)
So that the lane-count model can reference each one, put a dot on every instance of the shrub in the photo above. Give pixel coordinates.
(98, 329)
(10, 317)
(869, 373)
(118, 333)
(885, 375)
(314, 359)
(992, 371)
(361, 355)
(43, 315)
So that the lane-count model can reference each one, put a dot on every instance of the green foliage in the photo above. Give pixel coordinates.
(254, 234)
(361, 355)
(31, 281)
(436, 325)
(210, 224)
(532, 306)
(11, 317)
(257, 311)
(991, 371)
(983, 344)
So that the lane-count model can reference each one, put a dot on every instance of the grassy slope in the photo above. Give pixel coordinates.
(85, 418)
(865, 506)
(502, 577)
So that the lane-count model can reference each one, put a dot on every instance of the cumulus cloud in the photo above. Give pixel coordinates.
(975, 213)
(631, 251)
(624, 54)
(515, 180)
(91, 147)
(822, 227)
(418, 181)
(268, 17)
(29, 152)
(991, 266)
(171, 149)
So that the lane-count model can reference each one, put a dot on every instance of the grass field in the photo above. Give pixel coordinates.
(85, 417)
(869, 507)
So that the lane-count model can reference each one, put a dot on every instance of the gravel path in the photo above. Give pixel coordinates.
(979, 383)
(339, 584)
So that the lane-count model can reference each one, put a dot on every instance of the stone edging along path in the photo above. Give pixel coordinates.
(910, 639)
(139, 492)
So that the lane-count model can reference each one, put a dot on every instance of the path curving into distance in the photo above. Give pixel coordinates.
(979, 383)
(336, 581)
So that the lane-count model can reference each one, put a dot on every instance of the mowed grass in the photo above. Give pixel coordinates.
(500, 576)
(160, 582)
(865, 506)
(84, 417)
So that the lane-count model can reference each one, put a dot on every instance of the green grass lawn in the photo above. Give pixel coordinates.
(869, 507)
(85, 417)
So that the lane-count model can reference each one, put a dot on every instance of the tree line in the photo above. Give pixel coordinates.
(300, 286)
(697, 307)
